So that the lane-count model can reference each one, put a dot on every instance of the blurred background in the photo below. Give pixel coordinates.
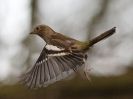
(110, 61)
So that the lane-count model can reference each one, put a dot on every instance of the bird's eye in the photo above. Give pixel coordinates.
(37, 28)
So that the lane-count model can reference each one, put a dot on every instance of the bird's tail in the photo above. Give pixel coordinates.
(101, 37)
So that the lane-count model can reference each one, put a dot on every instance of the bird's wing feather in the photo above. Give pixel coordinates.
(50, 68)
(62, 41)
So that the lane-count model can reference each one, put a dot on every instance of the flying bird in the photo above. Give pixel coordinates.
(60, 57)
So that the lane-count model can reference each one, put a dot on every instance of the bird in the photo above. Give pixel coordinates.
(61, 57)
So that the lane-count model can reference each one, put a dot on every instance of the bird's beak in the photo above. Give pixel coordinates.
(32, 32)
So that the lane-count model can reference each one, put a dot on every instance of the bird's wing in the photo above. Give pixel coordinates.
(62, 41)
(52, 66)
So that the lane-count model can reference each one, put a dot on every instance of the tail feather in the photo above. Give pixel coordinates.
(102, 36)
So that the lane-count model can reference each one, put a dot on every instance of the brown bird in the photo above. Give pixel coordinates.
(60, 57)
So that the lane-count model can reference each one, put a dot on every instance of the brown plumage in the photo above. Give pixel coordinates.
(60, 57)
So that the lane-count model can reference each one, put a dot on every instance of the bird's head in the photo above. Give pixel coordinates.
(43, 31)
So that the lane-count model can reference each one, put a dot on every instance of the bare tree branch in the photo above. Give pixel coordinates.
(34, 9)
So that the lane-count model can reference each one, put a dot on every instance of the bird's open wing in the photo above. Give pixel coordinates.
(52, 66)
